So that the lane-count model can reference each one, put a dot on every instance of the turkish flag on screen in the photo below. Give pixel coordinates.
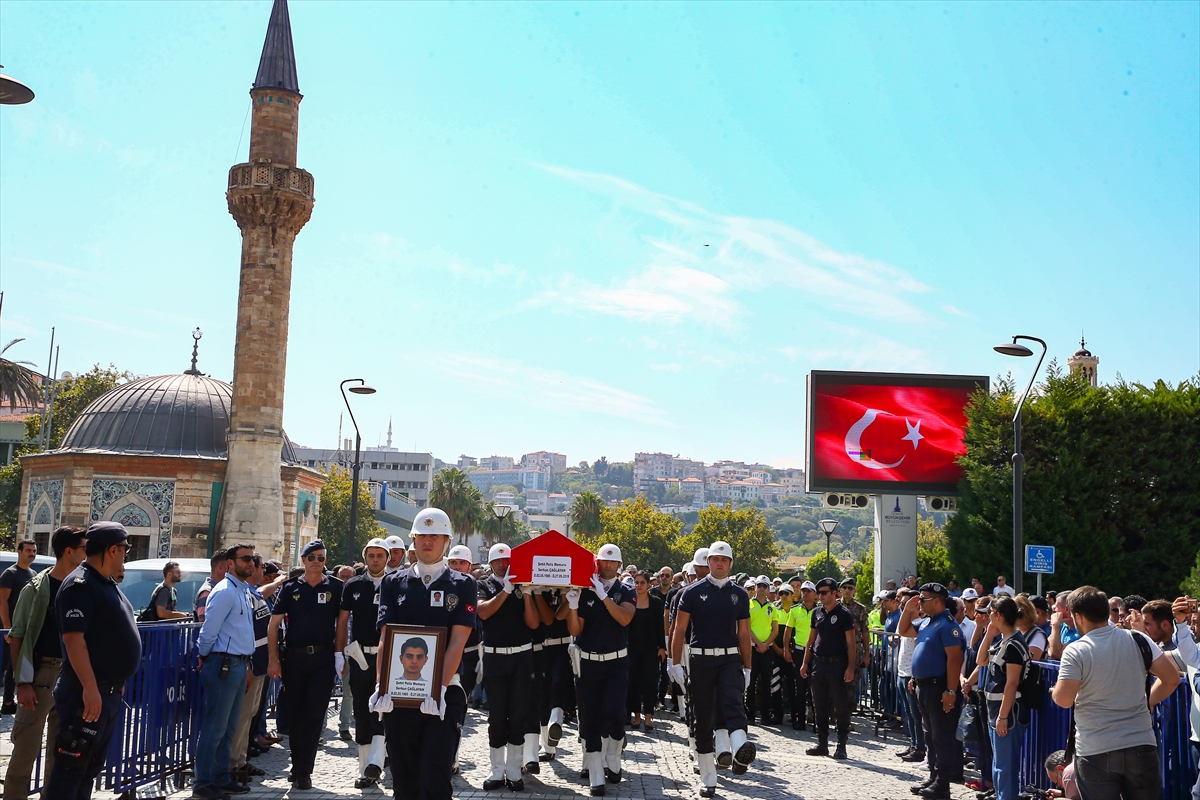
(889, 433)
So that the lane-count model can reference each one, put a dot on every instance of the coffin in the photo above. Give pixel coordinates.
(552, 559)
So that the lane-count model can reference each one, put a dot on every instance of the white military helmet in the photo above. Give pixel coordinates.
(394, 543)
(700, 559)
(720, 549)
(428, 520)
(499, 550)
(609, 552)
(459, 552)
(376, 542)
(689, 568)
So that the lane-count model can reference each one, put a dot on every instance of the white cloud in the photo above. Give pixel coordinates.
(856, 349)
(949, 309)
(669, 293)
(400, 252)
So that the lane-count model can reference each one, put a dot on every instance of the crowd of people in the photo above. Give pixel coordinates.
(723, 651)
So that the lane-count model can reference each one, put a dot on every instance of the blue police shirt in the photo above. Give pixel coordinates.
(938, 633)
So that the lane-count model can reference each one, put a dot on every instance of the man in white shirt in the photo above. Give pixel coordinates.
(1002, 587)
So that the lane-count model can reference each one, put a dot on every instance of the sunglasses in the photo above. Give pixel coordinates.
(315, 558)
(246, 559)
(825, 591)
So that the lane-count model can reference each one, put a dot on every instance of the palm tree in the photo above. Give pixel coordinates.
(17, 383)
(454, 493)
(585, 515)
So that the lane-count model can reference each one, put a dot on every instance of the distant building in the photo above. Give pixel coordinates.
(649, 467)
(504, 498)
(408, 474)
(1083, 362)
(467, 462)
(496, 462)
(485, 479)
(686, 468)
(553, 462)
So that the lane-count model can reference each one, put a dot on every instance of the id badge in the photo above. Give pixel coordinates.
(377, 598)
(322, 598)
(437, 599)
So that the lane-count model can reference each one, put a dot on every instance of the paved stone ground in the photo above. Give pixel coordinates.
(656, 766)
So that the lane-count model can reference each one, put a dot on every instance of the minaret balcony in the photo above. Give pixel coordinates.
(271, 176)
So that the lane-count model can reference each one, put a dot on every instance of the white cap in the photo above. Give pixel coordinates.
(777, 581)
(812, 587)
(701, 557)
(749, 584)
(499, 550)
(720, 549)
(376, 542)
(393, 543)
(762, 580)
(970, 594)
(460, 552)
(785, 588)
(609, 552)
(689, 568)
(428, 520)
(877, 596)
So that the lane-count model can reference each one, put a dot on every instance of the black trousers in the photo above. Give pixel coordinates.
(466, 670)
(828, 683)
(715, 691)
(795, 687)
(942, 746)
(643, 680)
(75, 781)
(309, 681)
(758, 696)
(508, 681)
(362, 686)
(540, 694)
(562, 680)
(422, 747)
(10, 687)
(602, 685)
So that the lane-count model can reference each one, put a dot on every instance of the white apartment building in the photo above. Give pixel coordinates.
(650, 467)
(496, 462)
(551, 462)
(409, 474)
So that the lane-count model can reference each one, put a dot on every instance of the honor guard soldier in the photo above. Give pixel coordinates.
(422, 742)
(597, 618)
(509, 620)
(395, 553)
(829, 662)
(357, 622)
(556, 663)
(936, 669)
(471, 671)
(311, 656)
(714, 620)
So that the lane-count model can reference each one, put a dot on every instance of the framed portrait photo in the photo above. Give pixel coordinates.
(412, 663)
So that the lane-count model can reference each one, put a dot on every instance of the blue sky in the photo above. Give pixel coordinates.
(602, 228)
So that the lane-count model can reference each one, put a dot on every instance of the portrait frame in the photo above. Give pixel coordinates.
(394, 639)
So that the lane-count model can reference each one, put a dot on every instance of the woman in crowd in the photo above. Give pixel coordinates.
(1007, 657)
(647, 642)
(1035, 639)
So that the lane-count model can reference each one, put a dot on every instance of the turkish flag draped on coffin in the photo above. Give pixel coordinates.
(889, 433)
(551, 559)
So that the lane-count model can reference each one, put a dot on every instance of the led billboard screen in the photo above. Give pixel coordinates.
(883, 432)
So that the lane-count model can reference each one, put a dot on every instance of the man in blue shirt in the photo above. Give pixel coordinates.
(936, 668)
(225, 645)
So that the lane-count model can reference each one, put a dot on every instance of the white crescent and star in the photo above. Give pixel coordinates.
(854, 439)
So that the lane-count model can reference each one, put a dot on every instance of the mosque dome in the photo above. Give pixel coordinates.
(165, 415)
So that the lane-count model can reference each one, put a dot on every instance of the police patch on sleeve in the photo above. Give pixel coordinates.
(956, 632)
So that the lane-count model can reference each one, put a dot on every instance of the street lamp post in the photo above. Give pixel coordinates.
(362, 388)
(828, 526)
(501, 511)
(1018, 460)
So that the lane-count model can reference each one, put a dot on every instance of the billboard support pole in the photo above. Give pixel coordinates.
(895, 538)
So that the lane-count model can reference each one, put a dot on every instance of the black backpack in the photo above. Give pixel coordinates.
(149, 613)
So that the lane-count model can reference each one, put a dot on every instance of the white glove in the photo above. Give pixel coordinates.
(380, 703)
(573, 598)
(339, 663)
(676, 673)
(746, 675)
(433, 707)
(598, 588)
(508, 584)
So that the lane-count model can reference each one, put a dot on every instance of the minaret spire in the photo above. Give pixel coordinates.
(389, 432)
(277, 66)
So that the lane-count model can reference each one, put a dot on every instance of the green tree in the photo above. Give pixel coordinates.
(818, 568)
(647, 537)
(600, 468)
(18, 386)
(586, 513)
(453, 492)
(754, 549)
(334, 523)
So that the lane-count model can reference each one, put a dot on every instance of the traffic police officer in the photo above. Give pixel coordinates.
(713, 618)
(936, 664)
(598, 618)
(558, 689)
(764, 626)
(829, 657)
(509, 620)
(356, 622)
(422, 742)
(312, 655)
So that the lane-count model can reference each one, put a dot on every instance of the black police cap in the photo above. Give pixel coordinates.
(312, 547)
(934, 588)
(107, 533)
(826, 583)
(849, 582)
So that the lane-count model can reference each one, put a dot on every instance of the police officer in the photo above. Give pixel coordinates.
(509, 620)
(423, 742)
(764, 626)
(795, 640)
(312, 656)
(357, 622)
(714, 613)
(862, 648)
(557, 690)
(598, 618)
(101, 650)
(395, 553)
(828, 662)
(936, 664)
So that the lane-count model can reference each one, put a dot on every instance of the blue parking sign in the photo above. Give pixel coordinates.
(1039, 558)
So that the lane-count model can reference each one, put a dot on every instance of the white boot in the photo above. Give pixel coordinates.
(496, 781)
(708, 773)
(530, 749)
(546, 751)
(743, 750)
(612, 759)
(376, 757)
(512, 768)
(554, 733)
(595, 765)
(364, 756)
(723, 747)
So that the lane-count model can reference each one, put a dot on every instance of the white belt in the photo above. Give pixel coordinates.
(508, 651)
(604, 656)
(537, 647)
(474, 649)
(715, 651)
(553, 642)
(371, 650)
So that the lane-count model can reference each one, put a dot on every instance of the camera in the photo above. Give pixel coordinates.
(1031, 792)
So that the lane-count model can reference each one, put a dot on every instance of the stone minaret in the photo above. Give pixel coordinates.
(1083, 361)
(271, 199)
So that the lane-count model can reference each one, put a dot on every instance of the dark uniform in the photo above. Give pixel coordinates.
(556, 691)
(508, 674)
(827, 671)
(603, 676)
(307, 663)
(91, 604)
(759, 695)
(360, 596)
(929, 661)
(859, 613)
(422, 746)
